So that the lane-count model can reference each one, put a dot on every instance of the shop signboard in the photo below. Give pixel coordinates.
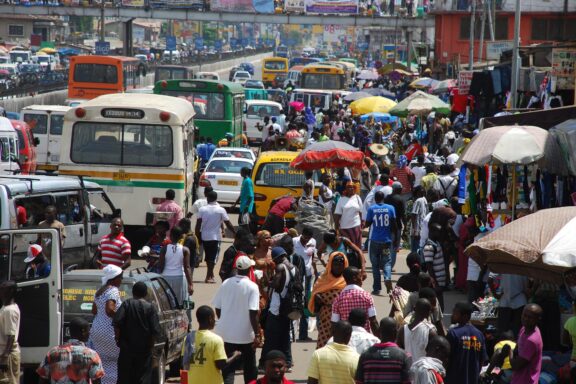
(495, 48)
(464, 81)
(133, 3)
(296, 6)
(258, 6)
(564, 67)
(349, 7)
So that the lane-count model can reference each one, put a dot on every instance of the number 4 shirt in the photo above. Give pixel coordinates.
(381, 217)
(208, 348)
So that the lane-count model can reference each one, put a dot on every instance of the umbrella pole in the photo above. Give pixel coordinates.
(513, 190)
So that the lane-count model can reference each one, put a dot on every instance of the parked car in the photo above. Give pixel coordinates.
(241, 77)
(248, 67)
(254, 84)
(243, 153)
(223, 174)
(233, 70)
(78, 291)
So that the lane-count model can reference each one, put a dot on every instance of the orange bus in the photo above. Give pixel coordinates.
(93, 76)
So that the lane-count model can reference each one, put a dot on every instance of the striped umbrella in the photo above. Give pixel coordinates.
(423, 82)
(328, 154)
(444, 86)
(541, 245)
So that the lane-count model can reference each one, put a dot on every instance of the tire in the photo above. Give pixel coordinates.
(159, 375)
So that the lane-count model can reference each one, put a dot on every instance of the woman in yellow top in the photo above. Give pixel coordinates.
(326, 289)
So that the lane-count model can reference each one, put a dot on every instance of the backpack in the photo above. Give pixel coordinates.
(292, 305)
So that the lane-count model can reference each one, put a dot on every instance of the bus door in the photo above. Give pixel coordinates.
(39, 294)
(47, 127)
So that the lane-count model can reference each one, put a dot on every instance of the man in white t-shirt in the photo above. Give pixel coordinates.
(208, 231)
(305, 247)
(419, 170)
(237, 302)
(199, 203)
(348, 215)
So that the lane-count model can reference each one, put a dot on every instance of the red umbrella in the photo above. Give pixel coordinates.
(297, 105)
(328, 154)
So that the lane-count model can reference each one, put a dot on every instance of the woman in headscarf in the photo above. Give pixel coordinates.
(404, 175)
(326, 289)
(106, 303)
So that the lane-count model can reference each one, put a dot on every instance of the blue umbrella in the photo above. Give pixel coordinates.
(379, 117)
(380, 92)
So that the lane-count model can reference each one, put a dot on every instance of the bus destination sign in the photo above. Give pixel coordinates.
(117, 113)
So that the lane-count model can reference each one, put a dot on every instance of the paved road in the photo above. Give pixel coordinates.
(203, 294)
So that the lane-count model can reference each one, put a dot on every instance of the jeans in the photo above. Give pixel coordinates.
(414, 244)
(303, 327)
(277, 336)
(380, 258)
(248, 360)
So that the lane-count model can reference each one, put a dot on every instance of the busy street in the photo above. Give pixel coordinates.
(284, 191)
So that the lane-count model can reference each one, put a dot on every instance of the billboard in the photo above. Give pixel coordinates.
(464, 81)
(250, 6)
(133, 3)
(349, 7)
(495, 48)
(564, 67)
(294, 6)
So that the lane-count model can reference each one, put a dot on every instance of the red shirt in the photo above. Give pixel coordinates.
(21, 216)
(282, 206)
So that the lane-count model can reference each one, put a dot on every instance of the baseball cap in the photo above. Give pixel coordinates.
(110, 272)
(396, 185)
(244, 262)
(33, 251)
(277, 252)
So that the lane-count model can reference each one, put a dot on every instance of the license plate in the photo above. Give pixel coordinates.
(227, 182)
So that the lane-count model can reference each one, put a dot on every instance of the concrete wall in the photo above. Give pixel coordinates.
(58, 97)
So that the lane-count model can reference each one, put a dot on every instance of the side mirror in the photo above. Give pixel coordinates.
(117, 212)
(36, 141)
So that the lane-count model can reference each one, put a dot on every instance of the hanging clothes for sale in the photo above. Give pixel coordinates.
(496, 77)
(476, 83)
(505, 77)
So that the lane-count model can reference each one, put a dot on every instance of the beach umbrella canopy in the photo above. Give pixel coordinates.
(297, 105)
(379, 116)
(367, 74)
(423, 82)
(356, 96)
(380, 92)
(48, 51)
(371, 104)
(420, 103)
(444, 86)
(508, 144)
(328, 154)
(541, 245)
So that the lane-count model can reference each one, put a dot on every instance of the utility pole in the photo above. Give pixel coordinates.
(472, 25)
(482, 25)
(515, 57)
(102, 34)
(491, 21)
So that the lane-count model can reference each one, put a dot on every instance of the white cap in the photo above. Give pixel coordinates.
(110, 272)
(244, 262)
(33, 251)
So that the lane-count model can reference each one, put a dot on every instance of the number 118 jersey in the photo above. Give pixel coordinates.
(381, 216)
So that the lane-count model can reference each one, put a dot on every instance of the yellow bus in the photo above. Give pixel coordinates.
(274, 71)
(325, 77)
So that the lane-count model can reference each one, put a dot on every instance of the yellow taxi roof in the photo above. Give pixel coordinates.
(277, 156)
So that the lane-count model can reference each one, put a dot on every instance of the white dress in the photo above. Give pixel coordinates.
(102, 335)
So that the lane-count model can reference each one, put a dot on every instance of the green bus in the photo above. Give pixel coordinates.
(255, 94)
(218, 105)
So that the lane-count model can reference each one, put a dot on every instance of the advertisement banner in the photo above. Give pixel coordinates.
(133, 3)
(564, 67)
(294, 6)
(349, 7)
(495, 48)
(464, 81)
(251, 6)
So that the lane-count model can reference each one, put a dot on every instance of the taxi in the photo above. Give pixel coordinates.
(273, 177)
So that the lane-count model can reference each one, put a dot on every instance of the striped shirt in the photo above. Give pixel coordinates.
(433, 254)
(403, 175)
(383, 363)
(333, 364)
(114, 250)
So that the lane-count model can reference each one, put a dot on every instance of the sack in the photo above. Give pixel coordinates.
(292, 305)
(189, 350)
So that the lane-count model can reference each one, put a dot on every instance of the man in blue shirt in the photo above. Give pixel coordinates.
(246, 197)
(205, 150)
(467, 348)
(381, 218)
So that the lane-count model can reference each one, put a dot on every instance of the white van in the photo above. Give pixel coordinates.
(82, 206)
(46, 122)
(207, 76)
(254, 113)
(9, 150)
(313, 98)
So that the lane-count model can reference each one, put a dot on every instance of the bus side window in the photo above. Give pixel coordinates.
(35, 206)
(69, 208)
